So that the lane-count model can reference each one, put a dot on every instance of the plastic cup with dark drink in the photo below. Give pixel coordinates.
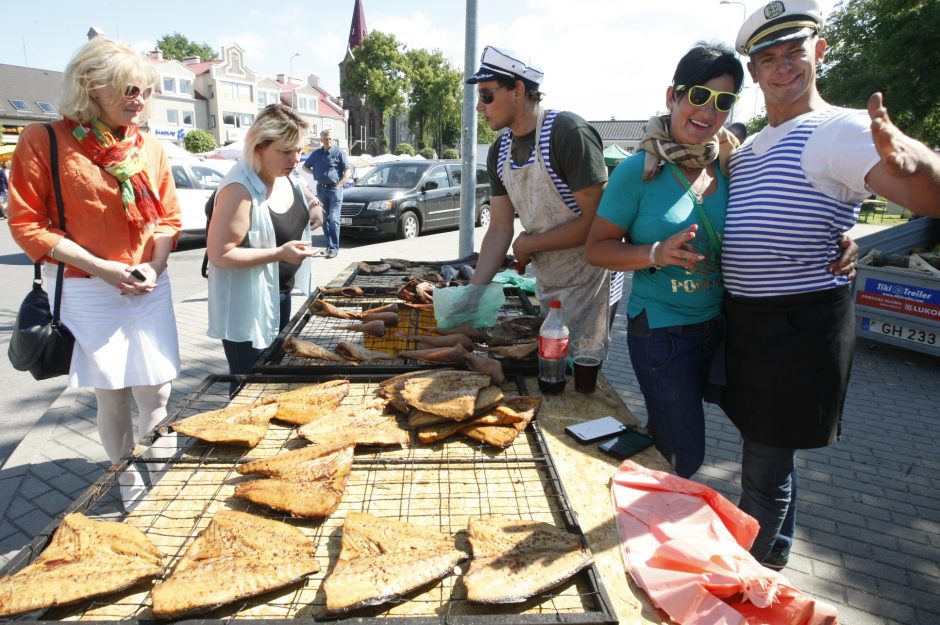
(588, 356)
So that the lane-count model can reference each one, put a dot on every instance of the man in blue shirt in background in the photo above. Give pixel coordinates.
(330, 168)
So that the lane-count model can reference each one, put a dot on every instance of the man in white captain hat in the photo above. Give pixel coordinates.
(796, 187)
(549, 167)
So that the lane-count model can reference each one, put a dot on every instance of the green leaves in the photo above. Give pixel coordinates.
(178, 47)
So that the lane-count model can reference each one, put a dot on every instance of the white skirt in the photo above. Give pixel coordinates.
(120, 340)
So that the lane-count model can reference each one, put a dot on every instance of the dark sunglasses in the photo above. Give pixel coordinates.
(700, 96)
(486, 95)
(131, 92)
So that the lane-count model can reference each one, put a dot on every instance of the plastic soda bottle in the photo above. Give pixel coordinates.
(553, 351)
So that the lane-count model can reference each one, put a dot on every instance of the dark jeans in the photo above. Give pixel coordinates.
(672, 365)
(241, 356)
(332, 200)
(768, 493)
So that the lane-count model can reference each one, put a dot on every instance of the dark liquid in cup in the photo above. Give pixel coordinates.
(551, 388)
(585, 373)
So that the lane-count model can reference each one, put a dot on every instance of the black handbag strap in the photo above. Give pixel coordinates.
(54, 159)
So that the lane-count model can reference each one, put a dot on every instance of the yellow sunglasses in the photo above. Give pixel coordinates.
(700, 95)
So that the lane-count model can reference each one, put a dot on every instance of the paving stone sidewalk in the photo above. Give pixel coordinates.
(869, 525)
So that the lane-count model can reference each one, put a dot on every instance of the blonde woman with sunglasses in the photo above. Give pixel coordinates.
(121, 221)
(668, 203)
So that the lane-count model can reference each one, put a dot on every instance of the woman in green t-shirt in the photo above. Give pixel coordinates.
(668, 203)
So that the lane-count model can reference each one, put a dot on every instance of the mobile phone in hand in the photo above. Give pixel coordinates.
(137, 273)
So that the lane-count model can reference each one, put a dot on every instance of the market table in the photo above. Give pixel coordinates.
(545, 475)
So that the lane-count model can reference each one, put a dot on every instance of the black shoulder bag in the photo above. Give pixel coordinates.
(40, 343)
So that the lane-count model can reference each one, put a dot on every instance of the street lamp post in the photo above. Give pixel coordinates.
(290, 79)
(741, 4)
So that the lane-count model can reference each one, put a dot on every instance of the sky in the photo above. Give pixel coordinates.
(603, 59)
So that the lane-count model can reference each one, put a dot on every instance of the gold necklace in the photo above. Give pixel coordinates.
(697, 196)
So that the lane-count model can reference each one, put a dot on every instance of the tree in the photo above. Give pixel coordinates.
(434, 99)
(484, 134)
(379, 74)
(178, 47)
(892, 46)
(451, 153)
(198, 141)
(428, 153)
(404, 148)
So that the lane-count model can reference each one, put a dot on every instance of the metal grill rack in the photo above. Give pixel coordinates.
(440, 486)
(328, 332)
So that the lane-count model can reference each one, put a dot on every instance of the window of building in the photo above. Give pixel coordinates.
(186, 86)
(226, 90)
(169, 85)
(239, 120)
(187, 118)
(173, 117)
(244, 92)
(45, 107)
(235, 91)
(19, 105)
(212, 121)
(301, 103)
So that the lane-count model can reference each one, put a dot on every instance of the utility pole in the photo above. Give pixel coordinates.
(468, 143)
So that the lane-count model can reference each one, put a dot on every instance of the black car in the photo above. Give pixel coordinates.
(409, 197)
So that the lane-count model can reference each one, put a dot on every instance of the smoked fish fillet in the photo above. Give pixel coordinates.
(84, 559)
(236, 425)
(448, 393)
(390, 389)
(303, 405)
(363, 424)
(307, 482)
(383, 559)
(520, 410)
(238, 555)
(514, 560)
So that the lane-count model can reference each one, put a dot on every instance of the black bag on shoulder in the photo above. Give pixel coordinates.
(210, 204)
(40, 343)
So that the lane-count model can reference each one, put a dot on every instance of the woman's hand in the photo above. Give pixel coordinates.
(676, 250)
(294, 252)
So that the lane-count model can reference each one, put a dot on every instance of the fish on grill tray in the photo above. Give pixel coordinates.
(363, 424)
(306, 482)
(241, 424)
(447, 392)
(322, 308)
(502, 436)
(454, 355)
(344, 291)
(238, 555)
(358, 353)
(514, 560)
(372, 328)
(384, 559)
(309, 349)
(437, 340)
(84, 559)
(304, 404)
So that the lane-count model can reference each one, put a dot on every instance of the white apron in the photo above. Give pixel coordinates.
(565, 275)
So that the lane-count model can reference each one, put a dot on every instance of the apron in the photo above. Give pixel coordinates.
(565, 275)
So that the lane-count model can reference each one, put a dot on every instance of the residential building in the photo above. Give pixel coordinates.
(321, 110)
(27, 96)
(625, 133)
(176, 108)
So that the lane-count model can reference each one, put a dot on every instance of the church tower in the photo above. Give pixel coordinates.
(362, 117)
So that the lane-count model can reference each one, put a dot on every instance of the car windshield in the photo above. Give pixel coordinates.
(398, 176)
(207, 177)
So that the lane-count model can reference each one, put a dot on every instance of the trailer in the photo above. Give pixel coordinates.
(896, 304)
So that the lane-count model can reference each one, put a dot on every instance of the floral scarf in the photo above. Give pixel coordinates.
(660, 146)
(122, 159)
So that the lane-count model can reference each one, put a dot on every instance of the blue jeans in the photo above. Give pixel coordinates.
(768, 493)
(241, 356)
(672, 365)
(332, 200)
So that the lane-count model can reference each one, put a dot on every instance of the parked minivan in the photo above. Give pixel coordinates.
(409, 197)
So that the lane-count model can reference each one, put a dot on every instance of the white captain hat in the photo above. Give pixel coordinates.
(496, 63)
(777, 22)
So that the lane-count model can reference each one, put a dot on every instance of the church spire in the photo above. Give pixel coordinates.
(357, 30)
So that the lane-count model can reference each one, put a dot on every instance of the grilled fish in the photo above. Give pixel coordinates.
(356, 352)
(514, 560)
(302, 405)
(365, 267)
(391, 388)
(345, 291)
(438, 340)
(382, 559)
(238, 555)
(307, 482)
(321, 308)
(436, 355)
(473, 333)
(309, 349)
(373, 328)
(516, 352)
(85, 559)
(235, 425)
(389, 318)
(448, 393)
(520, 409)
(482, 364)
(364, 424)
